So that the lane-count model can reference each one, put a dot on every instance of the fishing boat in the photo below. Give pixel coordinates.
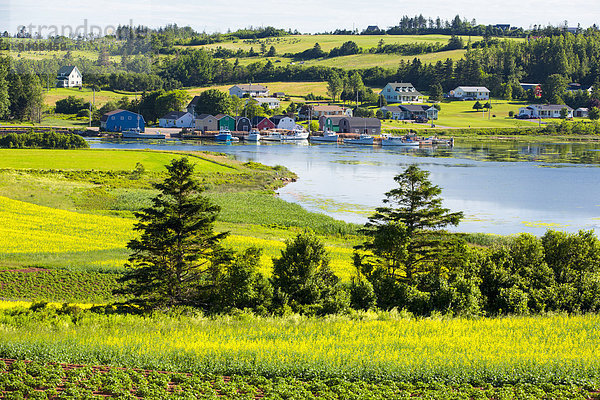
(296, 134)
(271, 137)
(224, 135)
(389, 140)
(254, 136)
(362, 139)
(328, 137)
(135, 133)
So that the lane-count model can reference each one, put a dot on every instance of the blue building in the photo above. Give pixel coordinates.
(121, 120)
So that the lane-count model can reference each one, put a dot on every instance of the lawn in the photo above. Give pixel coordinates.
(101, 97)
(293, 89)
(103, 160)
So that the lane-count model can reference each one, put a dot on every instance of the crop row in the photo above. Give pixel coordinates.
(59, 285)
(34, 380)
(362, 346)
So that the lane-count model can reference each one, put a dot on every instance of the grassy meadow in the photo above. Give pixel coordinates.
(298, 43)
(72, 210)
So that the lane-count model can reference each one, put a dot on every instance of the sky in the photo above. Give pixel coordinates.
(306, 16)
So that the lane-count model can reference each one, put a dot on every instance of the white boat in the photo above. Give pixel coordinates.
(224, 135)
(135, 133)
(362, 139)
(389, 140)
(271, 137)
(254, 136)
(328, 137)
(296, 134)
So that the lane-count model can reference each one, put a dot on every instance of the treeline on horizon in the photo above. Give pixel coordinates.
(497, 64)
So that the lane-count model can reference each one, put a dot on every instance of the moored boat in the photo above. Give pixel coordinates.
(362, 139)
(137, 134)
(254, 136)
(389, 140)
(328, 137)
(296, 134)
(224, 135)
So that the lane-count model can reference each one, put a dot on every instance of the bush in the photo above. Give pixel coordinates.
(45, 140)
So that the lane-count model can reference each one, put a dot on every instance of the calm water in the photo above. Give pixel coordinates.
(501, 188)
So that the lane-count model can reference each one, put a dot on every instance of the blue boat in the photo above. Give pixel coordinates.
(224, 135)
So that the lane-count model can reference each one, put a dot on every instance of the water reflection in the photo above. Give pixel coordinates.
(551, 186)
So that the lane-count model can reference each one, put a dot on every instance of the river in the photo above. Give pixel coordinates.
(502, 187)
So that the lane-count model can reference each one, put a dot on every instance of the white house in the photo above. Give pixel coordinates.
(401, 93)
(471, 93)
(544, 111)
(272, 102)
(177, 119)
(69, 76)
(581, 112)
(283, 122)
(249, 89)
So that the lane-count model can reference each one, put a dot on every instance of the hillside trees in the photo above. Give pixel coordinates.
(4, 98)
(213, 102)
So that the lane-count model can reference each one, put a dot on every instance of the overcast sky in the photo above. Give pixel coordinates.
(306, 16)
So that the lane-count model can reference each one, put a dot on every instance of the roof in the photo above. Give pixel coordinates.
(118, 111)
(415, 107)
(335, 119)
(266, 99)
(251, 88)
(328, 108)
(392, 108)
(66, 70)
(369, 122)
(174, 115)
(204, 116)
(582, 109)
(473, 89)
(550, 107)
(221, 116)
(194, 101)
(237, 119)
(257, 119)
(277, 118)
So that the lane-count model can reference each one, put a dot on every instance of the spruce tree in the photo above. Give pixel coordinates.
(175, 260)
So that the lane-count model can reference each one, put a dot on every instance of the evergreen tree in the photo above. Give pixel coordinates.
(437, 92)
(406, 236)
(303, 280)
(175, 260)
(4, 98)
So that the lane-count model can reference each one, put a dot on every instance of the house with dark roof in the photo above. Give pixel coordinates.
(122, 120)
(343, 124)
(176, 119)
(249, 90)
(262, 123)
(225, 122)
(69, 76)
(544, 111)
(243, 124)
(401, 93)
(206, 123)
(411, 111)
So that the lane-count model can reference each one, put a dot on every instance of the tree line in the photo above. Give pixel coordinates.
(407, 261)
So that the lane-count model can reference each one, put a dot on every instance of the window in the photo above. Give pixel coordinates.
(129, 118)
(122, 118)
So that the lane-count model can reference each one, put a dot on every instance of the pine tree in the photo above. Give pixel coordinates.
(406, 236)
(175, 259)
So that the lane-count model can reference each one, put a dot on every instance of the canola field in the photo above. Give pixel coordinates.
(385, 346)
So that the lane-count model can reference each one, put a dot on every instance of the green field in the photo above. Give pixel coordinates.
(360, 61)
(101, 160)
(298, 43)
(73, 209)
(97, 98)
